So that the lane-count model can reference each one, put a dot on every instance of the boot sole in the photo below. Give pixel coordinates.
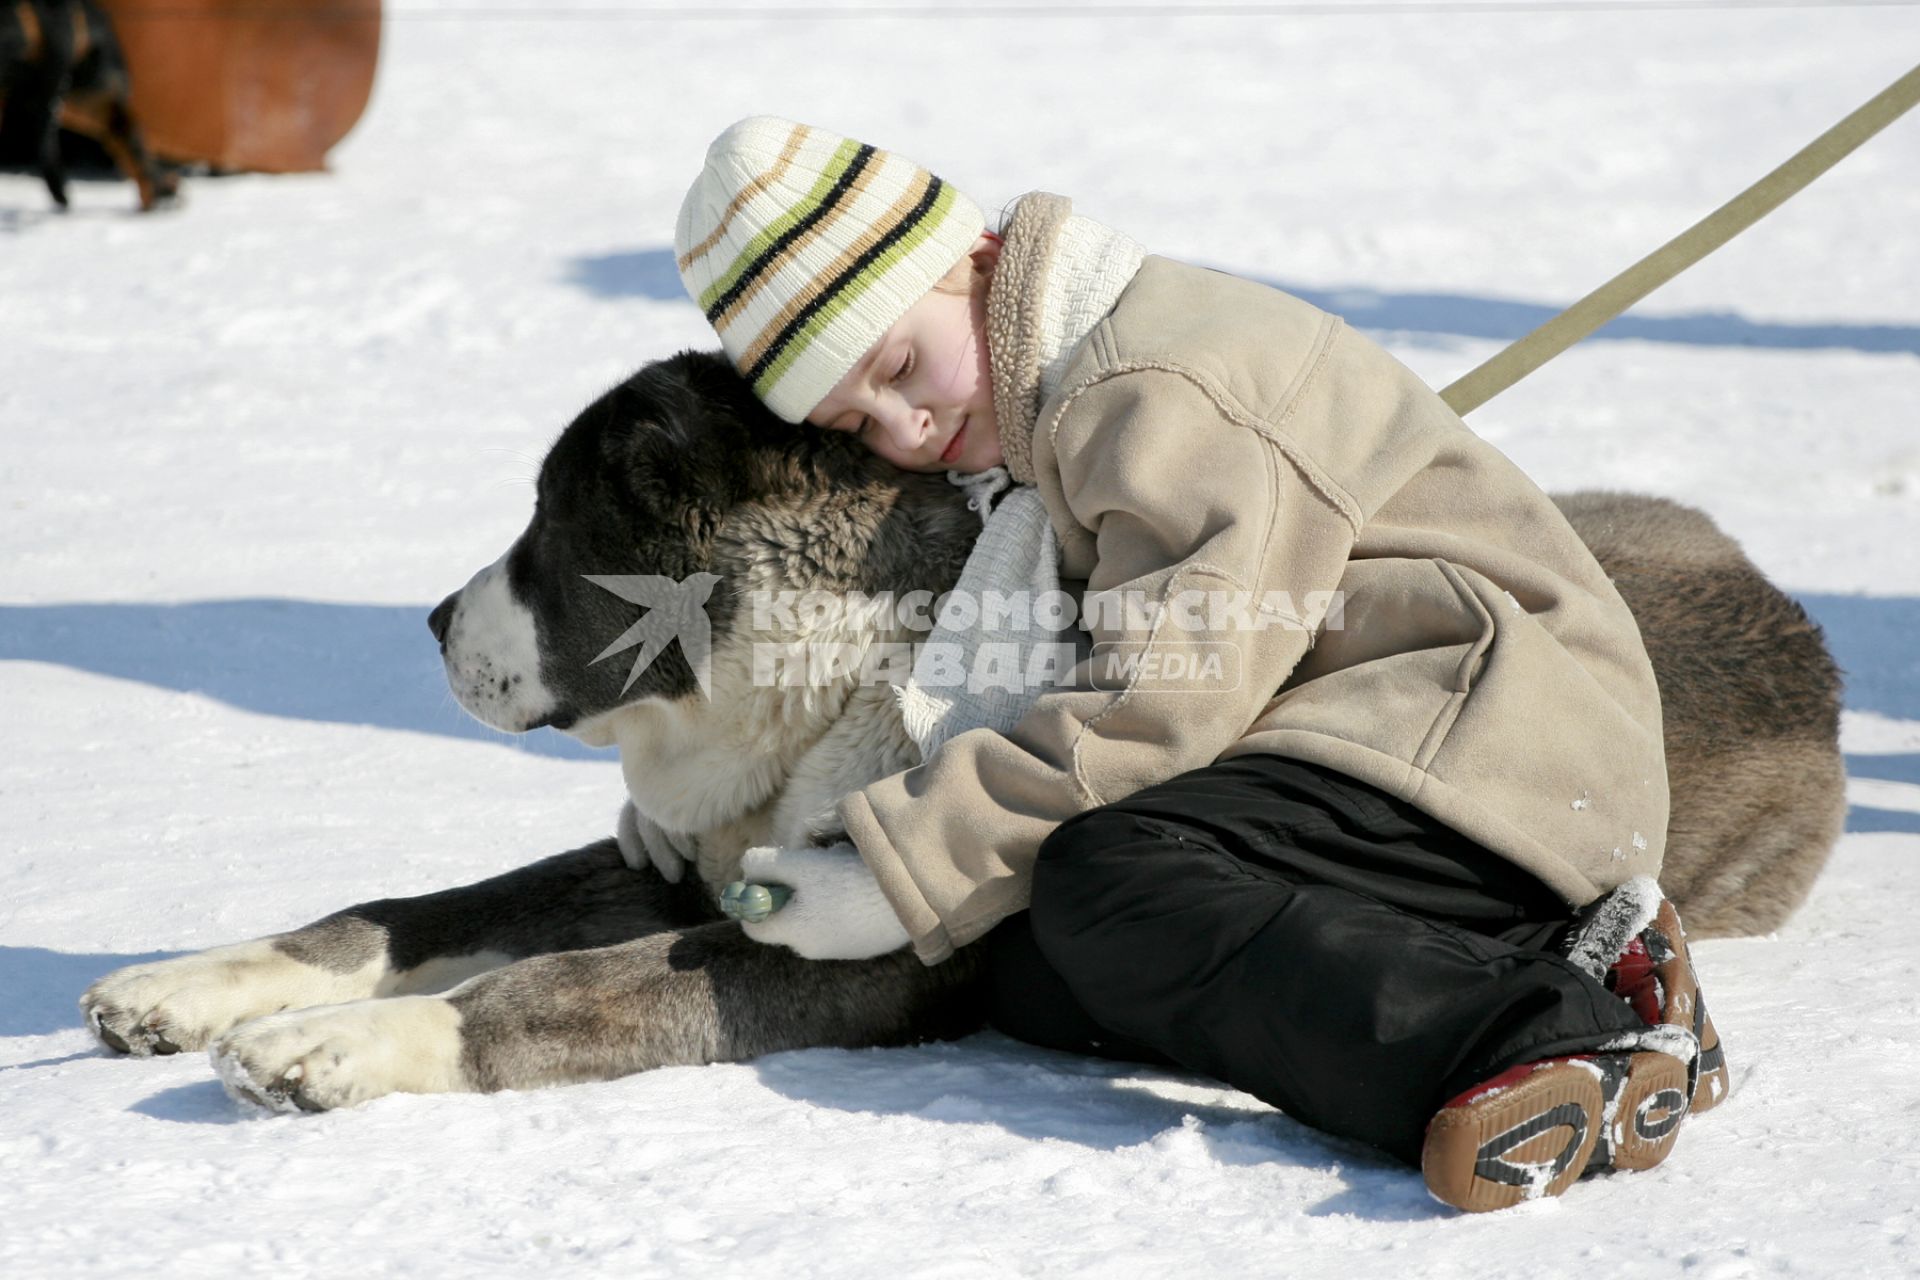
(1713, 1082)
(1539, 1136)
(1682, 1004)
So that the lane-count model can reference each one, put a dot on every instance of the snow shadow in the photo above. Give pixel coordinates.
(202, 1102)
(651, 274)
(1876, 641)
(40, 989)
(639, 273)
(302, 659)
(1038, 1094)
(1455, 315)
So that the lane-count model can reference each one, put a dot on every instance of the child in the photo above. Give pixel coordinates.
(1389, 872)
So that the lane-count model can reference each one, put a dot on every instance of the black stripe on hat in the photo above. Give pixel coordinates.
(859, 264)
(833, 197)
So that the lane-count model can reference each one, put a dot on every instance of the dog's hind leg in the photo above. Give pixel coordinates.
(585, 898)
(100, 96)
(129, 151)
(707, 994)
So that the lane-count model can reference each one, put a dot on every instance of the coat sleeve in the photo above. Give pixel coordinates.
(1212, 549)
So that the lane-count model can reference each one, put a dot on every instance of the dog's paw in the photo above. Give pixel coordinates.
(342, 1055)
(183, 1003)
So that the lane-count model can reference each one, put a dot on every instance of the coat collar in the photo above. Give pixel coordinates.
(1058, 276)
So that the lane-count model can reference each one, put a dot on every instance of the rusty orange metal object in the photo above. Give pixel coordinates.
(239, 85)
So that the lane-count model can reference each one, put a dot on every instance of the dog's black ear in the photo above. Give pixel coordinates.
(673, 455)
(690, 426)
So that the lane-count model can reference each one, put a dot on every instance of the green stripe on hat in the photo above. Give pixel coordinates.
(758, 246)
(911, 233)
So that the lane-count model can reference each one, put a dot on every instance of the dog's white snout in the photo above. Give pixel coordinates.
(490, 644)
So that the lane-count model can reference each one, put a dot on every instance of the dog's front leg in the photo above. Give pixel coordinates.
(707, 994)
(344, 1054)
(170, 1005)
(397, 946)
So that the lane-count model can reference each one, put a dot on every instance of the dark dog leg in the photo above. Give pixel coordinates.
(100, 75)
(52, 168)
(586, 898)
(35, 55)
(34, 103)
(708, 994)
(119, 135)
(39, 92)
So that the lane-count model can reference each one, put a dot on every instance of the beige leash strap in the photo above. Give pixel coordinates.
(1685, 249)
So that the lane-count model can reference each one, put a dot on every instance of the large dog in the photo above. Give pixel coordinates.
(590, 965)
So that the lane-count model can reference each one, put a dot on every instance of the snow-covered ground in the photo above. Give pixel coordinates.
(244, 446)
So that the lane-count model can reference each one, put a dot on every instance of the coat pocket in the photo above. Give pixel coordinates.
(1411, 640)
(1476, 655)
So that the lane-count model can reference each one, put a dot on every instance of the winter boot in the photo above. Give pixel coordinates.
(1677, 988)
(1533, 1130)
(1632, 942)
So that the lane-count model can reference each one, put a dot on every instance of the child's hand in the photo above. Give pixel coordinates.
(837, 911)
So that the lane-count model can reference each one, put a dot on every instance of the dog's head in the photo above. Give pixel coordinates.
(661, 500)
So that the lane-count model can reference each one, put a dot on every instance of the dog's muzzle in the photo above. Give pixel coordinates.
(490, 646)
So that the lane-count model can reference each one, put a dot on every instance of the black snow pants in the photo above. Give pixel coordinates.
(1300, 935)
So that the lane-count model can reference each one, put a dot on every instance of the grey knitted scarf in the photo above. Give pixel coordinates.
(1068, 272)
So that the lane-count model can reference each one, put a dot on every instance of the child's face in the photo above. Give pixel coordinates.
(921, 397)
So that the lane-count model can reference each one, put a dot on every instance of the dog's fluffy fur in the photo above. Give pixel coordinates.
(1750, 705)
(583, 967)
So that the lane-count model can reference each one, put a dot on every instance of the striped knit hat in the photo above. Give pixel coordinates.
(803, 247)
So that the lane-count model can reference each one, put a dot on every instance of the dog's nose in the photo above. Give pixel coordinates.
(441, 618)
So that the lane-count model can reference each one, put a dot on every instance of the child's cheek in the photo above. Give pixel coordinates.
(963, 376)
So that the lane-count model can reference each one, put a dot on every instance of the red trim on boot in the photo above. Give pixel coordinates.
(1632, 979)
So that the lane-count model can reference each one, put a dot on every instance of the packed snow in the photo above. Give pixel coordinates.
(248, 444)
